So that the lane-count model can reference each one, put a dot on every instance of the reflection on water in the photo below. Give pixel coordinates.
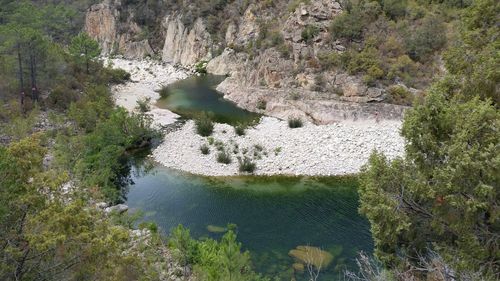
(274, 215)
(193, 95)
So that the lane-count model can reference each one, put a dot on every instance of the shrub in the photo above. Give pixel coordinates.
(329, 60)
(261, 104)
(164, 92)
(258, 147)
(246, 165)
(143, 105)
(117, 76)
(204, 126)
(295, 122)
(400, 95)
(295, 95)
(210, 140)
(239, 129)
(219, 145)
(224, 157)
(201, 67)
(204, 149)
(427, 38)
(309, 32)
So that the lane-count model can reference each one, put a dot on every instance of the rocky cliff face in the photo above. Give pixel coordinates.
(102, 24)
(286, 77)
(185, 46)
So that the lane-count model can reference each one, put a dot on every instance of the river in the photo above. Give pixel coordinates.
(273, 214)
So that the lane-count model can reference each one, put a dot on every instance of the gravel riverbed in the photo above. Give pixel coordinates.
(336, 149)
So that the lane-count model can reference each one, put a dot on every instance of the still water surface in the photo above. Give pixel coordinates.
(273, 214)
(197, 94)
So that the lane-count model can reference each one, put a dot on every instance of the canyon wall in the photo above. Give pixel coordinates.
(276, 81)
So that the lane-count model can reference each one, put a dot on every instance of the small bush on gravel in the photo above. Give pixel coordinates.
(143, 105)
(219, 145)
(295, 122)
(261, 104)
(224, 157)
(258, 147)
(164, 92)
(205, 149)
(246, 165)
(204, 126)
(239, 130)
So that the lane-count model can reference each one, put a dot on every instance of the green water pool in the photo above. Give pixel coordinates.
(191, 96)
(273, 214)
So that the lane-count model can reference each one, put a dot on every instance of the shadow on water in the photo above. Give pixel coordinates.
(191, 96)
(274, 214)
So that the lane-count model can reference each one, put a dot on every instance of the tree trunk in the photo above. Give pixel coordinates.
(21, 78)
(34, 88)
(19, 60)
(87, 60)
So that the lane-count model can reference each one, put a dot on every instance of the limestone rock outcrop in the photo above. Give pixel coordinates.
(185, 46)
(102, 23)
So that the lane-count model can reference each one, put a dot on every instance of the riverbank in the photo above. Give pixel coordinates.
(317, 150)
(326, 150)
(147, 77)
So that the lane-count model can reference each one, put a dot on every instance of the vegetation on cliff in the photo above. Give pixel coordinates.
(443, 196)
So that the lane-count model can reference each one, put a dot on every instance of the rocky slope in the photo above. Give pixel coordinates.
(284, 78)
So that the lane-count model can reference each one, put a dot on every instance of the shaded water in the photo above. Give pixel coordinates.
(273, 214)
(193, 95)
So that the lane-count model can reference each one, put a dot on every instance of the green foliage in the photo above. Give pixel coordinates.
(204, 125)
(261, 104)
(224, 157)
(246, 165)
(213, 260)
(240, 129)
(102, 162)
(443, 194)
(84, 49)
(143, 105)
(295, 122)
(204, 149)
(56, 238)
(201, 67)
(117, 75)
(164, 92)
(309, 32)
(427, 38)
(474, 58)
(400, 95)
(349, 25)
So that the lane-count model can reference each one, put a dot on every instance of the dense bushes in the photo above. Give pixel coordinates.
(388, 41)
(213, 260)
(204, 125)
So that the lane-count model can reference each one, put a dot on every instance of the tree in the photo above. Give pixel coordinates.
(84, 49)
(444, 194)
(474, 57)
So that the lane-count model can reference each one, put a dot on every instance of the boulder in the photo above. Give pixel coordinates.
(120, 209)
(311, 255)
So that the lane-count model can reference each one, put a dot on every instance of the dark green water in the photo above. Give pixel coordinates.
(273, 214)
(196, 94)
